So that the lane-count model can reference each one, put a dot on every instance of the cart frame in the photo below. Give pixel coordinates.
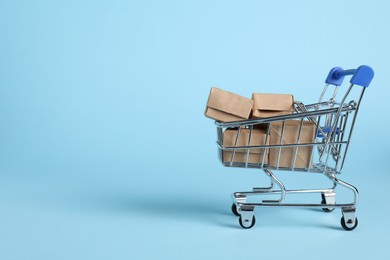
(334, 124)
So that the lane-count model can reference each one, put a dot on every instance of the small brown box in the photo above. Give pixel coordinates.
(225, 106)
(290, 136)
(258, 138)
(267, 105)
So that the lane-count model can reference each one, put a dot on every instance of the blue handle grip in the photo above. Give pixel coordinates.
(361, 76)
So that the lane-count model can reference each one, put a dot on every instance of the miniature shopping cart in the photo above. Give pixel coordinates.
(313, 139)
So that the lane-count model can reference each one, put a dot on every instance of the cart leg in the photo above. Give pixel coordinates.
(280, 184)
(348, 186)
(262, 189)
(349, 220)
(247, 218)
(237, 198)
(328, 198)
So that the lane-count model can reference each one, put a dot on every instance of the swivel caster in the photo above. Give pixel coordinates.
(349, 224)
(349, 221)
(246, 223)
(328, 198)
(236, 210)
(247, 219)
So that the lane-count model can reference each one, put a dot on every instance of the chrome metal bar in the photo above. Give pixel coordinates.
(315, 106)
(333, 128)
(281, 186)
(336, 148)
(352, 126)
(264, 189)
(266, 143)
(298, 205)
(319, 128)
(348, 186)
(341, 139)
(329, 117)
(335, 93)
(219, 142)
(314, 169)
(241, 198)
(235, 145)
(273, 192)
(321, 147)
(335, 110)
(323, 93)
(249, 142)
(219, 134)
(276, 145)
(298, 140)
(311, 160)
(280, 142)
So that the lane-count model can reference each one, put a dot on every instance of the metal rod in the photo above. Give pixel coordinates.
(280, 142)
(260, 191)
(335, 93)
(311, 159)
(323, 93)
(298, 140)
(352, 125)
(341, 139)
(330, 135)
(280, 184)
(348, 186)
(235, 145)
(298, 205)
(344, 107)
(277, 145)
(249, 141)
(266, 143)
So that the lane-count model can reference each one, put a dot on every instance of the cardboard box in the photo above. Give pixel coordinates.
(267, 105)
(290, 136)
(225, 106)
(258, 138)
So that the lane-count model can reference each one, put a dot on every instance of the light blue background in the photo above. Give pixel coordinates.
(104, 149)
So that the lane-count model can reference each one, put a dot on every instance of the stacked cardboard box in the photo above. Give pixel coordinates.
(290, 136)
(257, 138)
(225, 106)
(267, 105)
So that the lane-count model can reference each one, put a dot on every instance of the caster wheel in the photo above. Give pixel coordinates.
(245, 226)
(234, 210)
(323, 201)
(344, 225)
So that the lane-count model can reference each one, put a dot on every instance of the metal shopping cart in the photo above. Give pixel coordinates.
(314, 139)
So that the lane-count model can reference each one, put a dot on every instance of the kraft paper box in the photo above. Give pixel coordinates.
(225, 106)
(290, 136)
(267, 105)
(255, 154)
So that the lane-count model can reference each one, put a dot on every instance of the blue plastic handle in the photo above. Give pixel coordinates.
(361, 76)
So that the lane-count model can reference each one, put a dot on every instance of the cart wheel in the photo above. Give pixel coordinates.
(344, 225)
(234, 210)
(250, 226)
(326, 209)
(323, 201)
